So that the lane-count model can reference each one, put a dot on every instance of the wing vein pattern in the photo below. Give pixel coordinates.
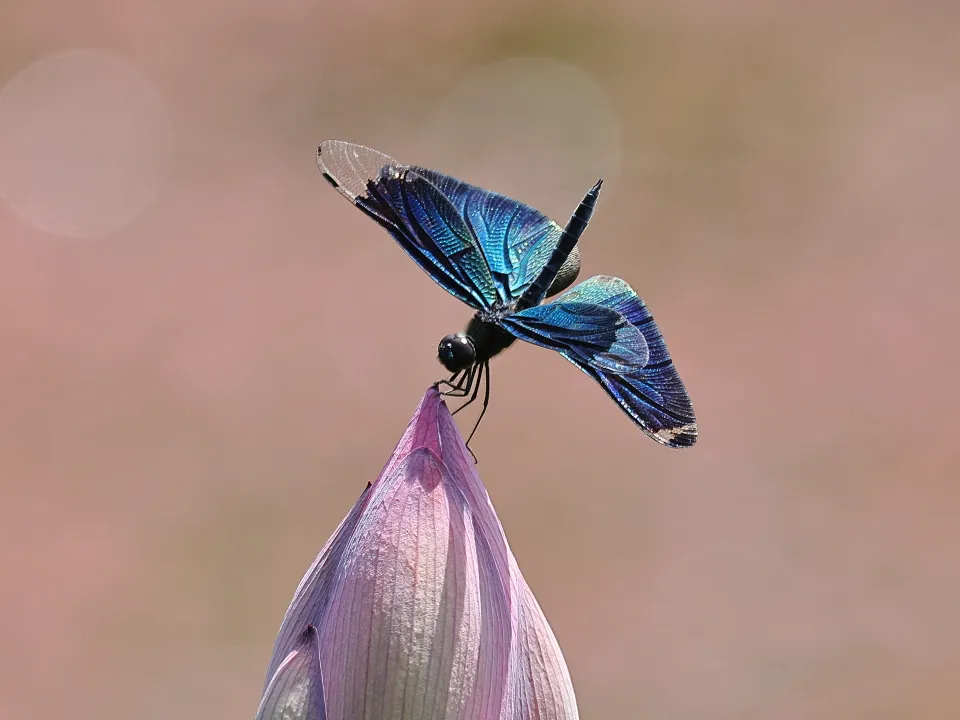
(488, 250)
(500, 245)
(605, 329)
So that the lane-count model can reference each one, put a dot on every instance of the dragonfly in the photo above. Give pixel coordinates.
(503, 259)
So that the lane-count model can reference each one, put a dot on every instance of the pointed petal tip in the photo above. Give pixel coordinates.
(432, 428)
(295, 691)
(433, 400)
(424, 427)
(445, 438)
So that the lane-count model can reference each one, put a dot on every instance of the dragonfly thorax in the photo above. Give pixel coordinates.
(482, 339)
(487, 334)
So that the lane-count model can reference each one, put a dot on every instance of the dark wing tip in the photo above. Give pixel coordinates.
(682, 436)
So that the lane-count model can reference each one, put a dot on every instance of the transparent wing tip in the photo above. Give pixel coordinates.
(349, 167)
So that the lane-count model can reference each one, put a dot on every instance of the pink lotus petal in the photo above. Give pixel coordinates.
(420, 608)
(543, 689)
(310, 599)
(295, 692)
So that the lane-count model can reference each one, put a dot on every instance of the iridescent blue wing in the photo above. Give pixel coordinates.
(517, 240)
(605, 329)
(418, 216)
(480, 246)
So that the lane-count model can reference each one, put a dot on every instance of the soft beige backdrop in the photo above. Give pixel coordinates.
(190, 402)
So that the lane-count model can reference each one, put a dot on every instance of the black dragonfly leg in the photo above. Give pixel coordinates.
(456, 383)
(453, 382)
(476, 389)
(486, 401)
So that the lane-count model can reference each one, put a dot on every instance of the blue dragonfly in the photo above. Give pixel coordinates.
(503, 259)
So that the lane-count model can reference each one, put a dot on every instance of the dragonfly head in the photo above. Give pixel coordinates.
(457, 352)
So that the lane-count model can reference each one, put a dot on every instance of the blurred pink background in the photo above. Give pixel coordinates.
(207, 352)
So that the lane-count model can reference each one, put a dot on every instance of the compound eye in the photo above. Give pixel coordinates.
(456, 352)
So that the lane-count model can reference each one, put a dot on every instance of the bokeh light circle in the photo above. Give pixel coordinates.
(535, 128)
(85, 143)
